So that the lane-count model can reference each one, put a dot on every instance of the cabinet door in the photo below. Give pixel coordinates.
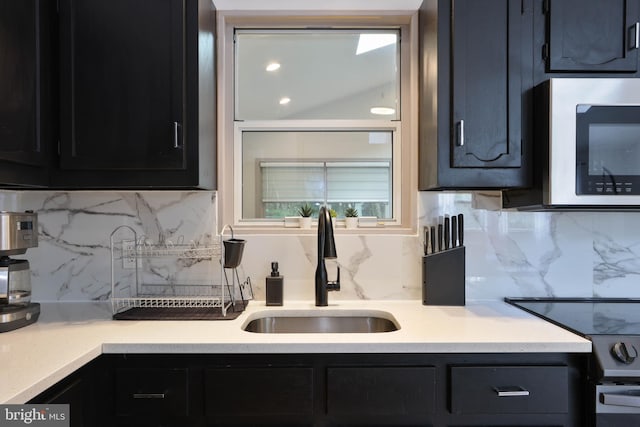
(25, 101)
(122, 84)
(486, 84)
(152, 392)
(82, 392)
(381, 395)
(509, 390)
(71, 393)
(592, 35)
(274, 395)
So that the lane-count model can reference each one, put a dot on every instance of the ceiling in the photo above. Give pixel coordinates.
(320, 5)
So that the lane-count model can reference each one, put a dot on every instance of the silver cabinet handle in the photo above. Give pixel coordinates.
(509, 391)
(148, 395)
(635, 44)
(620, 399)
(460, 136)
(176, 135)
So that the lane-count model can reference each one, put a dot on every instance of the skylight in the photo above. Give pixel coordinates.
(369, 42)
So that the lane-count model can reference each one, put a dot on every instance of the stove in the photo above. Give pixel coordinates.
(613, 326)
(586, 316)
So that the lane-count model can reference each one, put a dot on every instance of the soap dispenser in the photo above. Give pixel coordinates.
(274, 286)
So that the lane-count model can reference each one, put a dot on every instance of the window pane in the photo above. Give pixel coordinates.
(292, 183)
(317, 74)
(358, 183)
(282, 170)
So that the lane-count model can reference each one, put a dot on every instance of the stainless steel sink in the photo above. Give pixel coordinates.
(318, 322)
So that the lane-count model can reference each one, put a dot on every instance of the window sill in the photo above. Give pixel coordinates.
(339, 229)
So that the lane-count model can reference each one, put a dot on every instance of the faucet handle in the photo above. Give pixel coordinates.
(334, 286)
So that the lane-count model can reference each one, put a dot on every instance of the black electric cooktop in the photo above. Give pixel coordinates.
(586, 316)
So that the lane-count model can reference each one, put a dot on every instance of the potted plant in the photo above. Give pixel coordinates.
(305, 212)
(351, 217)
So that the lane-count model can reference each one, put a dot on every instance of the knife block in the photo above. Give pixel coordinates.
(443, 276)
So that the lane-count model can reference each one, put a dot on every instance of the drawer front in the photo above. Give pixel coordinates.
(271, 392)
(373, 392)
(152, 392)
(509, 389)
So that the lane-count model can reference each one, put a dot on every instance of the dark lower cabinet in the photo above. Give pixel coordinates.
(161, 392)
(380, 395)
(509, 390)
(323, 390)
(72, 392)
(254, 395)
(81, 392)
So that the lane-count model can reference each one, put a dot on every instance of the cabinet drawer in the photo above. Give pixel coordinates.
(267, 393)
(509, 389)
(374, 392)
(152, 392)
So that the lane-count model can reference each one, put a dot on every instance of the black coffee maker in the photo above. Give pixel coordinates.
(18, 232)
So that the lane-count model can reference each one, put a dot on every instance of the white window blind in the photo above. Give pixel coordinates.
(349, 182)
(292, 182)
(358, 182)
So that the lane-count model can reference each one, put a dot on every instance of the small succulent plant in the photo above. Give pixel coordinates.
(305, 210)
(351, 212)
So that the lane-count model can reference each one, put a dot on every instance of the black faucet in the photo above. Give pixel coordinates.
(326, 250)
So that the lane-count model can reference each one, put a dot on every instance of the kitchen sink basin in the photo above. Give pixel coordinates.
(321, 322)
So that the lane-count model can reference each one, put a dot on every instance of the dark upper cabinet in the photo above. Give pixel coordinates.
(137, 94)
(476, 62)
(27, 41)
(486, 83)
(592, 35)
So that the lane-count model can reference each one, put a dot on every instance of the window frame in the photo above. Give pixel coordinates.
(319, 125)
(405, 130)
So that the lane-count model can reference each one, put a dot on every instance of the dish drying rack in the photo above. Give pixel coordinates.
(131, 289)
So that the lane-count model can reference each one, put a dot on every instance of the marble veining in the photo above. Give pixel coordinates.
(508, 253)
(73, 258)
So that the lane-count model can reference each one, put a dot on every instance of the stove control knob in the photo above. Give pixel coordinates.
(625, 352)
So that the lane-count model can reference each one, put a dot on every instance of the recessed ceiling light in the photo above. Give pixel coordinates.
(383, 111)
(368, 42)
(273, 66)
(285, 100)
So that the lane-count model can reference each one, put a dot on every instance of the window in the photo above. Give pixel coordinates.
(316, 74)
(283, 170)
(317, 117)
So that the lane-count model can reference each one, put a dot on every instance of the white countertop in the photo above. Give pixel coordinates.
(68, 335)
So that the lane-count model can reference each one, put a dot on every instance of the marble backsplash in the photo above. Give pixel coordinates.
(508, 253)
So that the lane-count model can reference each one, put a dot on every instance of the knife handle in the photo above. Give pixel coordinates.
(454, 231)
(447, 231)
(461, 229)
(439, 237)
(432, 235)
(426, 240)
